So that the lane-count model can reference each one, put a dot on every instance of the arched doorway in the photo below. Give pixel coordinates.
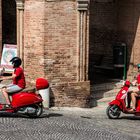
(9, 35)
(111, 39)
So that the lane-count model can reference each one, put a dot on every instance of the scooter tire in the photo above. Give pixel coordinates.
(113, 112)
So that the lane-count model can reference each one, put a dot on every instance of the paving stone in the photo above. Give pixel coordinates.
(69, 124)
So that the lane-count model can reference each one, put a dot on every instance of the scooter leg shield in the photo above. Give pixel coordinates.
(1, 106)
(138, 105)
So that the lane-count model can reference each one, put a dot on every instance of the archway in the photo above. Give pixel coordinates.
(110, 25)
(9, 35)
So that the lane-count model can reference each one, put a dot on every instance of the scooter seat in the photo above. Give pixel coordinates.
(29, 89)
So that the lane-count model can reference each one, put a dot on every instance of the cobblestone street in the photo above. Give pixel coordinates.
(74, 54)
(69, 124)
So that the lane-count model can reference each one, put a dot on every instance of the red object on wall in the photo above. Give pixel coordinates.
(42, 83)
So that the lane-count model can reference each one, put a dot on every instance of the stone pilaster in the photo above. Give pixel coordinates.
(20, 28)
(0, 28)
(82, 7)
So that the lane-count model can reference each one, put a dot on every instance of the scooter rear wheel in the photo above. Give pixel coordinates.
(38, 112)
(113, 112)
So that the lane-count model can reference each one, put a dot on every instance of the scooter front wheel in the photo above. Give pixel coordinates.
(113, 112)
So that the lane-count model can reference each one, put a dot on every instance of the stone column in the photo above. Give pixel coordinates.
(83, 42)
(20, 28)
(0, 28)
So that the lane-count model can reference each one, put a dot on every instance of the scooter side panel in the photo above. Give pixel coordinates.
(23, 99)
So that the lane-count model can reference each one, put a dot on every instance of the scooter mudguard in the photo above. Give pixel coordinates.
(116, 102)
(24, 99)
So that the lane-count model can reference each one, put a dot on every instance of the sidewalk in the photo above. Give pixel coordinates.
(76, 111)
(100, 107)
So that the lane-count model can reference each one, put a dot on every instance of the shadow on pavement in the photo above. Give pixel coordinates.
(16, 115)
(85, 117)
(48, 115)
(8, 114)
(130, 117)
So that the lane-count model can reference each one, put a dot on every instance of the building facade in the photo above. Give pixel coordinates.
(52, 40)
(59, 39)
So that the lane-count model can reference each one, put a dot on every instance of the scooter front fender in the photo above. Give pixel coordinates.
(24, 99)
(116, 102)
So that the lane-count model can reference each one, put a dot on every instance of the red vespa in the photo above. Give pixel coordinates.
(119, 105)
(27, 102)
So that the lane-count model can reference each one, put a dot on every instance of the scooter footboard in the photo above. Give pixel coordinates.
(116, 102)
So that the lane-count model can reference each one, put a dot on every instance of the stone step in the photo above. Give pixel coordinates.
(102, 101)
(104, 93)
(105, 101)
(106, 88)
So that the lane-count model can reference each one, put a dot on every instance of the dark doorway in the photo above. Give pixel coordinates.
(113, 22)
(111, 38)
(103, 34)
(9, 22)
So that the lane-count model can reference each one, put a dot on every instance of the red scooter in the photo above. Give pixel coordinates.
(27, 102)
(120, 103)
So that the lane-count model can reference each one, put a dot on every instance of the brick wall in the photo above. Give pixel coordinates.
(51, 40)
(34, 22)
(50, 48)
(61, 41)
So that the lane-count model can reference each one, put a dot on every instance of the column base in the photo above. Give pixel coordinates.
(74, 94)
